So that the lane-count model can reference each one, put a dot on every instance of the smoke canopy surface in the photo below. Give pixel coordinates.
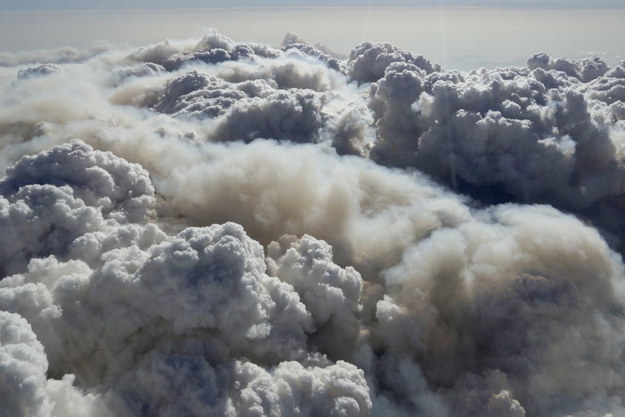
(204, 227)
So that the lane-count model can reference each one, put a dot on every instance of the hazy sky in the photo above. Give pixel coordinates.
(153, 4)
(463, 35)
(456, 37)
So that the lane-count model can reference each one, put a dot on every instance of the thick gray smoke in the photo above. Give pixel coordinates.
(205, 227)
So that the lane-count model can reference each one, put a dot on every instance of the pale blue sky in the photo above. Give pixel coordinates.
(160, 4)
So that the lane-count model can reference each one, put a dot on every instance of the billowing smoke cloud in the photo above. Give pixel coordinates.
(205, 227)
(550, 133)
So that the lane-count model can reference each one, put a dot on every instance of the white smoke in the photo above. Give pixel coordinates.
(205, 227)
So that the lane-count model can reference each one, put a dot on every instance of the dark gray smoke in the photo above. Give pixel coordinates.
(205, 227)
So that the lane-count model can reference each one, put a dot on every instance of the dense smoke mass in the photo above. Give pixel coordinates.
(205, 227)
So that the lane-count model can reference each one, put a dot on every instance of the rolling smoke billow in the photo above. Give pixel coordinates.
(211, 228)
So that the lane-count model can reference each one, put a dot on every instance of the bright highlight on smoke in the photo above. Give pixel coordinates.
(211, 228)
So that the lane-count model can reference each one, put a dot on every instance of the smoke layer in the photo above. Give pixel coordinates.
(205, 227)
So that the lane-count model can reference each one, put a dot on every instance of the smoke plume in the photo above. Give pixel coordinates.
(205, 227)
